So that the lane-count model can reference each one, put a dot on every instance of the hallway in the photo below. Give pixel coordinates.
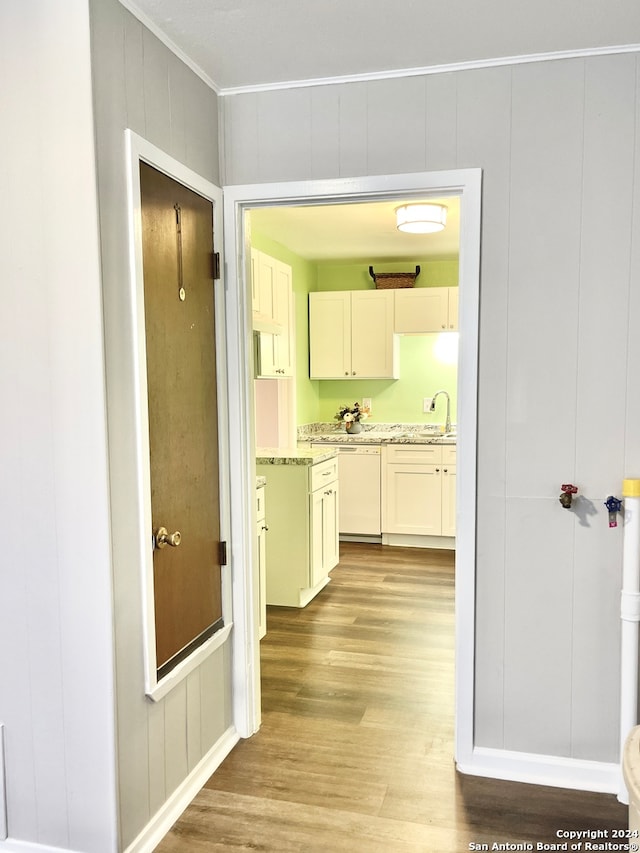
(355, 749)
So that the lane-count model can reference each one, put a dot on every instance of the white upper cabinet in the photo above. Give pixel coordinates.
(351, 335)
(421, 310)
(272, 301)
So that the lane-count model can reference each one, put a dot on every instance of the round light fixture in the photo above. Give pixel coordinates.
(421, 218)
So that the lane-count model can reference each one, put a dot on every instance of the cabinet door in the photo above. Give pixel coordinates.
(373, 348)
(421, 310)
(275, 351)
(413, 499)
(454, 294)
(330, 528)
(330, 335)
(284, 343)
(262, 578)
(255, 284)
(324, 533)
(316, 539)
(448, 500)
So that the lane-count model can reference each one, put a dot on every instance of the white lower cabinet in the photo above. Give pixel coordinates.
(419, 490)
(302, 545)
(324, 532)
(261, 551)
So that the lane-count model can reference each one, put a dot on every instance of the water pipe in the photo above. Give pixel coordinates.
(630, 616)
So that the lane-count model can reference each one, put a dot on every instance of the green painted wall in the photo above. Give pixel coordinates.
(422, 370)
(400, 400)
(333, 276)
(304, 274)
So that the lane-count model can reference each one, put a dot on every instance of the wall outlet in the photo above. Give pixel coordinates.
(366, 403)
(427, 404)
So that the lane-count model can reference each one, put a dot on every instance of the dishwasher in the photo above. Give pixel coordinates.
(359, 489)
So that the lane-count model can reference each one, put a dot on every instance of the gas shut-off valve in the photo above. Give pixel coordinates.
(568, 491)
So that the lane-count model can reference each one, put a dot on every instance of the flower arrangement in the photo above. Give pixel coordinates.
(351, 414)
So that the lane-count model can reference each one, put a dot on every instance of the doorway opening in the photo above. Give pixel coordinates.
(239, 201)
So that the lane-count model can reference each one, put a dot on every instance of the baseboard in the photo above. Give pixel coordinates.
(557, 772)
(361, 537)
(408, 540)
(164, 819)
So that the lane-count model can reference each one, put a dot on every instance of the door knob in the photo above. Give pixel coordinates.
(162, 537)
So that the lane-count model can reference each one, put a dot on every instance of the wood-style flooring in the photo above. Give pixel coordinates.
(356, 745)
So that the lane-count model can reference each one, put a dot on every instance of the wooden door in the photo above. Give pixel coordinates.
(177, 243)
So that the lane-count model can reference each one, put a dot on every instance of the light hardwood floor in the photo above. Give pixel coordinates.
(355, 750)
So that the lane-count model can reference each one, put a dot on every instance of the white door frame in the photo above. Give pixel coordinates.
(465, 183)
(141, 150)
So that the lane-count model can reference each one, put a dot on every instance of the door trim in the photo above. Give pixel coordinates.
(466, 183)
(138, 149)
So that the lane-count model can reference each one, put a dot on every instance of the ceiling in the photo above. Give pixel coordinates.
(363, 232)
(240, 43)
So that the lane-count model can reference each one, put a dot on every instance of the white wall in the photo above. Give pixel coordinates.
(56, 633)
(140, 84)
(558, 399)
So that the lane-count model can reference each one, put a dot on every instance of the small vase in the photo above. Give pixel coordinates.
(354, 427)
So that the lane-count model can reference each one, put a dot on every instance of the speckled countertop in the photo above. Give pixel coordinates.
(301, 455)
(260, 481)
(333, 433)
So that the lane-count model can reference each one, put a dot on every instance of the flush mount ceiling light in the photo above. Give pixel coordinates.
(421, 218)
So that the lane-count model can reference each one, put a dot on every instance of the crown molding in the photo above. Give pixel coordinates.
(471, 65)
(446, 68)
(167, 42)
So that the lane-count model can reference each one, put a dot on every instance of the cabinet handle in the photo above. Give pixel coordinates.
(265, 526)
(327, 473)
(353, 373)
(330, 492)
(346, 373)
(446, 470)
(437, 470)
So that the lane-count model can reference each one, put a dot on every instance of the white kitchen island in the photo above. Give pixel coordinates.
(302, 542)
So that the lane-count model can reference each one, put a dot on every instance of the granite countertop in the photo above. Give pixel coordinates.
(374, 434)
(301, 455)
(260, 481)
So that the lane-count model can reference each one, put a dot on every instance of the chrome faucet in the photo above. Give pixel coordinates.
(447, 425)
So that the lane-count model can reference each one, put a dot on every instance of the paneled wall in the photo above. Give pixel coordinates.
(560, 306)
(56, 631)
(139, 84)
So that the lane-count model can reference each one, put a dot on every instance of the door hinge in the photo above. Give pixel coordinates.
(215, 261)
(222, 549)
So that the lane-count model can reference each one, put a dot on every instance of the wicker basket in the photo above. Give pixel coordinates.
(386, 280)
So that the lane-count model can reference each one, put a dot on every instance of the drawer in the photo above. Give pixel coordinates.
(260, 503)
(323, 473)
(449, 453)
(413, 454)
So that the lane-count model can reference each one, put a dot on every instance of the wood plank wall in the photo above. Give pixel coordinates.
(140, 84)
(558, 399)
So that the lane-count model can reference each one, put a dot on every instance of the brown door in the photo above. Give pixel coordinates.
(177, 246)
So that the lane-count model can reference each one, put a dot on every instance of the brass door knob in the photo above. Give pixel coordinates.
(162, 537)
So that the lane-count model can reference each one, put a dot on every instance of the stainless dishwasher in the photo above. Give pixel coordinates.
(359, 488)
